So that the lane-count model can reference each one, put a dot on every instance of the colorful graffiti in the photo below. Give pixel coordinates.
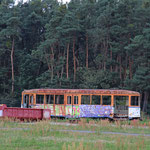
(56, 110)
(95, 111)
(1, 113)
(72, 111)
(39, 106)
(76, 111)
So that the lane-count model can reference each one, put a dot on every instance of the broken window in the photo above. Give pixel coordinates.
(85, 99)
(75, 99)
(31, 99)
(49, 99)
(121, 100)
(69, 99)
(106, 100)
(135, 100)
(26, 98)
(59, 99)
(26, 101)
(40, 99)
(96, 99)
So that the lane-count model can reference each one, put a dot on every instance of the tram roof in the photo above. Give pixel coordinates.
(81, 91)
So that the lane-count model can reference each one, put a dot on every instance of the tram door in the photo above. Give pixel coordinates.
(31, 101)
(72, 104)
(28, 101)
(121, 104)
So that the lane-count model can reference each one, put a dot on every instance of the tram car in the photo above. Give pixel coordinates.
(81, 103)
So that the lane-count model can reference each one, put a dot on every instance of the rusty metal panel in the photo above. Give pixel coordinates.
(23, 113)
(80, 91)
(46, 113)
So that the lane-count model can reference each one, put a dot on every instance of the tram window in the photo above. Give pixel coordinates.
(106, 100)
(26, 101)
(49, 99)
(85, 99)
(121, 100)
(40, 99)
(96, 99)
(134, 100)
(31, 99)
(59, 99)
(26, 98)
(68, 99)
(75, 99)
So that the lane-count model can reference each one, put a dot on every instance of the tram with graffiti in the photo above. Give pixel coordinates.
(81, 103)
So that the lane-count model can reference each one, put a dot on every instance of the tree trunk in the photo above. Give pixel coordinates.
(48, 64)
(126, 65)
(67, 67)
(12, 65)
(87, 52)
(145, 101)
(77, 63)
(40, 66)
(52, 63)
(116, 68)
(130, 67)
(111, 69)
(125, 74)
(104, 61)
(105, 43)
(61, 76)
(74, 60)
(120, 68)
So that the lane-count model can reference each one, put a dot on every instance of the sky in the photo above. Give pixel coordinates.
(64, 1)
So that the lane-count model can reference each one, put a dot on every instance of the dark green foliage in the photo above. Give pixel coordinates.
(84, 44)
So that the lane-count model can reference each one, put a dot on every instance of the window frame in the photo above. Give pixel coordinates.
(121, 96)
(138, 101)
(50, 101)
(86, 95)
(74, 100)
(43, 98)
(67, 99)
(111, 96)
(55, 99)
(100, 100)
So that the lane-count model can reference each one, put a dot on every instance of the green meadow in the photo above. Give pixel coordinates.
(84, 135)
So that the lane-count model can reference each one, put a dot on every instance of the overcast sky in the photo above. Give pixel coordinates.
(64, 1)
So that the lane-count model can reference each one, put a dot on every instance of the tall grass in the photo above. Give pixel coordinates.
(44, 135)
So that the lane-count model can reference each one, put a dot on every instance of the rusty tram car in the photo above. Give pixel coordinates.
(81, 103)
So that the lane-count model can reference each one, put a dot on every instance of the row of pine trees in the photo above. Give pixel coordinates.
(96, 44)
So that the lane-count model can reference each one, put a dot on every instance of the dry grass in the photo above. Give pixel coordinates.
(43, 135)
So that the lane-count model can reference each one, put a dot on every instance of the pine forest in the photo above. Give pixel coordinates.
(83, 44)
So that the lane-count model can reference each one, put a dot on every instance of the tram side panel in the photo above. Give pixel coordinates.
(60, 108)
(96, 111)
(134, 107)
(134, 112)
(82, 111)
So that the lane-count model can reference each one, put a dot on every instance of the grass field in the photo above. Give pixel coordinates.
(61, 135)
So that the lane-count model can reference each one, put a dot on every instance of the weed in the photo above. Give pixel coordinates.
(44, 135)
